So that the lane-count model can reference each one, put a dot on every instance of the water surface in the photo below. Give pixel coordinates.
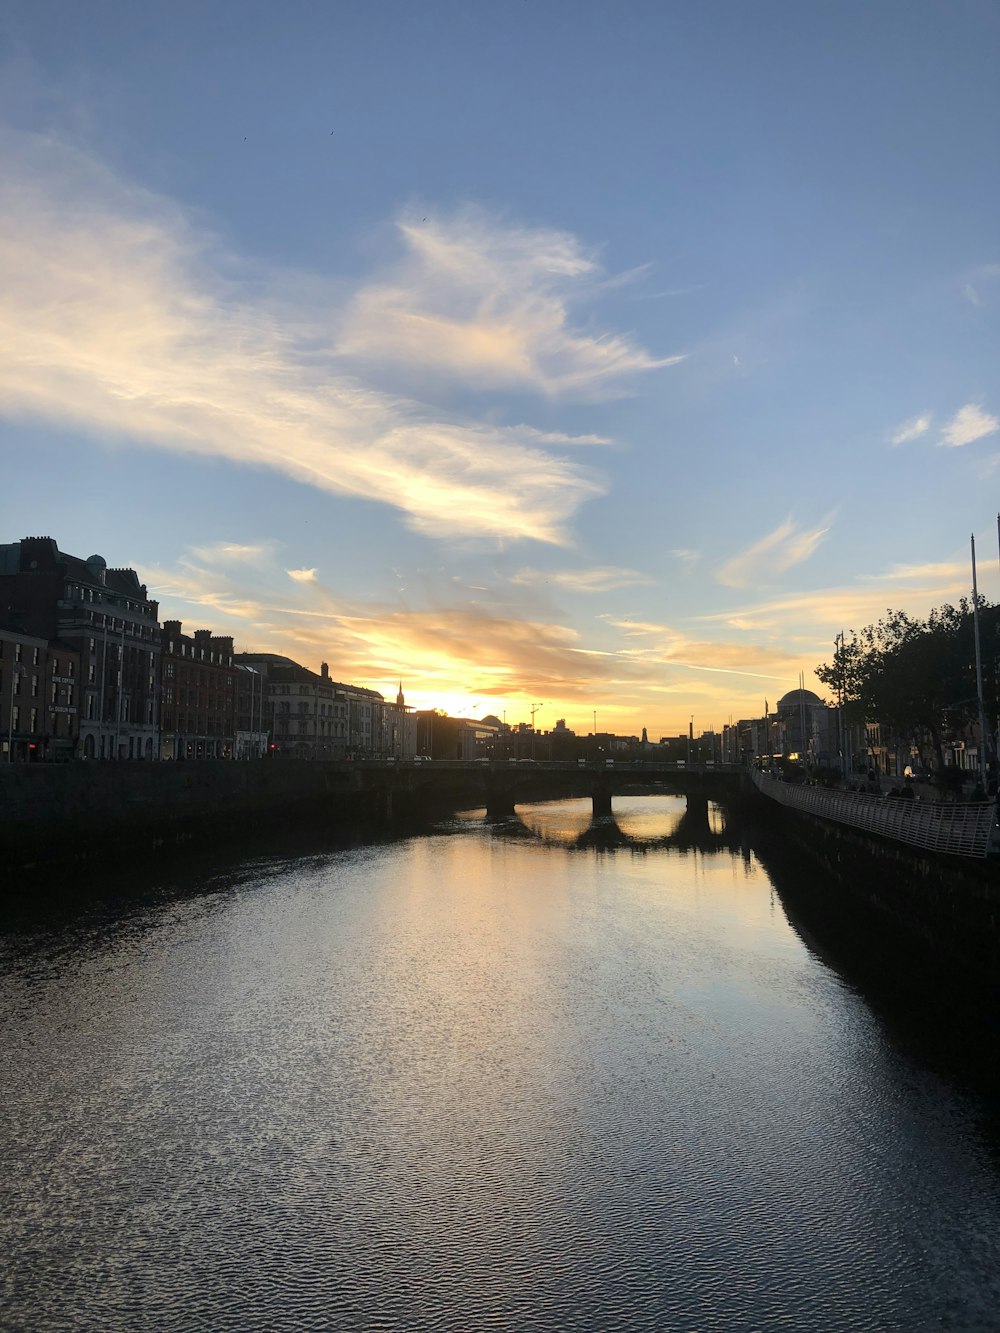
(505, 1076)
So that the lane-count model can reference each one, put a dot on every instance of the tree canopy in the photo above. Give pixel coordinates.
(917, 678)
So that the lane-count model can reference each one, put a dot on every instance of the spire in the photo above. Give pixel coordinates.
(400, 701)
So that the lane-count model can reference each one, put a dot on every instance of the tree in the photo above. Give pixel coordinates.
(917, 678)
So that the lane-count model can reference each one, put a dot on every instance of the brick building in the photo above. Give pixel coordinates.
(103, 616)
(39, 717)
(198, 697)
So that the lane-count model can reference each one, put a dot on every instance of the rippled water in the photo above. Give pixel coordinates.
(493, 1078)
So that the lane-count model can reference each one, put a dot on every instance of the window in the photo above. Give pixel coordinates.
(91, 673)
(34, 657)
(71, 668)
(17, 652)
(34, 720)
(15, 718)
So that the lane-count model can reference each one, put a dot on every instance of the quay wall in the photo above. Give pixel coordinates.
(947, 907)
(55, 813)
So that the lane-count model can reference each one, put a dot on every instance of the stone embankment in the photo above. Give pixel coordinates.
(948, 906)
(63, 813)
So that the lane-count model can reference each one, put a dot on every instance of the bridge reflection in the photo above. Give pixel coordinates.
(642, 825)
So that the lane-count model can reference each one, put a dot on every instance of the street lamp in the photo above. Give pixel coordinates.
(15, 673)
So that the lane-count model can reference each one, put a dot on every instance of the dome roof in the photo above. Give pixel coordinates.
(796, 697)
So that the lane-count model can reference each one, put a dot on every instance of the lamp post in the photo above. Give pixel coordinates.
(251, 735)
(15, 674)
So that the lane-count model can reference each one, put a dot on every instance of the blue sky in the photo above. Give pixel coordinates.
(611, 358)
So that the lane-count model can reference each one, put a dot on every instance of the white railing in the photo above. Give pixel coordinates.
(962, 828)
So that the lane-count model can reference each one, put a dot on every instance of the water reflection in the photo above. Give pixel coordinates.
(477, 1080)
(637, 823)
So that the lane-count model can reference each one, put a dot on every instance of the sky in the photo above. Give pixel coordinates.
(603, 359)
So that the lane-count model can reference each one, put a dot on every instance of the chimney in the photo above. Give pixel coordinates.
(324, 670)
(38, 553)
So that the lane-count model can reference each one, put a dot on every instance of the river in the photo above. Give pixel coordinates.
(491, 1076)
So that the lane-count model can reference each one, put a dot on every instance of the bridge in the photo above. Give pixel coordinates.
(693, 831)
(501, 784)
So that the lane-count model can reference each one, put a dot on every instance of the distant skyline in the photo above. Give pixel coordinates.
(603, 358)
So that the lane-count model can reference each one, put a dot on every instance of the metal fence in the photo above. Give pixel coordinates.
(961, 829)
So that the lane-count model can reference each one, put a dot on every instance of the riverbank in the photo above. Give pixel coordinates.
(940, 911)
(70, 814)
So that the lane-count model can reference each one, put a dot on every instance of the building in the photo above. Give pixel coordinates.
(106, 618)
(365, 727)
(802, 728)
(457, 738)
(39, 716)
(253, 711)
(308, 712)
(198, 696)
(396, 728)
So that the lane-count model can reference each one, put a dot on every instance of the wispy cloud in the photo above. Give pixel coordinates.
(465, 650)
(818, 613)
(492, 305)
(637, 628)
(302, 575)
(780, 550)
(601, 579)
(687, 558)
(973, 285)
(970, 423)
(229, 553)
(912, 429)
(929, 572)
(123, 319)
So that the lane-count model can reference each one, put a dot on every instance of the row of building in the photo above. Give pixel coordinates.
(88, 671)
(805, 730)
